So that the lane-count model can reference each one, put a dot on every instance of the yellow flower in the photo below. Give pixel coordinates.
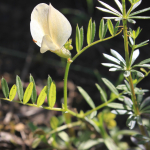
(109, 119)
(50, 29)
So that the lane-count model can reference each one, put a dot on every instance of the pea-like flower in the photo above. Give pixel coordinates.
(50, 29)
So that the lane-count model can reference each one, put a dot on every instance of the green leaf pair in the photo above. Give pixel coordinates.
(113, 30)
(102, 29)
(79, 38)
(91, 32)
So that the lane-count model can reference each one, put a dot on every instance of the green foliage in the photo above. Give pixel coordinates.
(102, 29)
(110, 27)
(19, 88)
(91, 32)
(103, 95)
(28, 93)
(52, 95)
(42, 96)
(79, 38)
(5, 88)
(110, 86)
(34, 93)
(54, 122)
(88, 100)
(13, 92)
(49, 82)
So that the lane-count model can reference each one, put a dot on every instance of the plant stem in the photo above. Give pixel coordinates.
(65, 84)
(34, 105)
(102, 105)
(98, 41)
(135, 106)
(70, 125)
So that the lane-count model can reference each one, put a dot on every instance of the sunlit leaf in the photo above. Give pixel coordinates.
(28, 93)
(135, 56)
(126, 73)
(140, 17)
(142, 44)
(64, 136)
(140, 11)
(118, 56)
(52, 95)
(121, 112)
(143, 65)
(145, 61)
(115, 69)
(110, 27)
(119, 5)
(89, 143)
(111, 18)
(118, 106)
(110, 65)
(136, 4)
(110, 86)
(128, 102)
(13, 92)
(103, 95)
(86, 97)
(77, 39)
(54, 122)
(42, 96)
(113, 59)
(106, 10)
(131, 40)
(110, 8)
(132, 21)
(131, 121)
(89, 32)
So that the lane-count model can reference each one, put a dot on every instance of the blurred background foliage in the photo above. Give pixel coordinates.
(20, 56)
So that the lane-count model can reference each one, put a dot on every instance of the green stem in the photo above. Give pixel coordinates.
(98, 41)
(135, 106)
(102, 105)
(74, 114)
(34, 105)
(65, 84)
(70, 125)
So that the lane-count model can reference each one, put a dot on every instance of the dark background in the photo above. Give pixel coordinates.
(20, 56)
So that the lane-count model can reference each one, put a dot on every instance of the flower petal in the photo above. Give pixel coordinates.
(39, 22)
(59, 27)
(47, 44)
